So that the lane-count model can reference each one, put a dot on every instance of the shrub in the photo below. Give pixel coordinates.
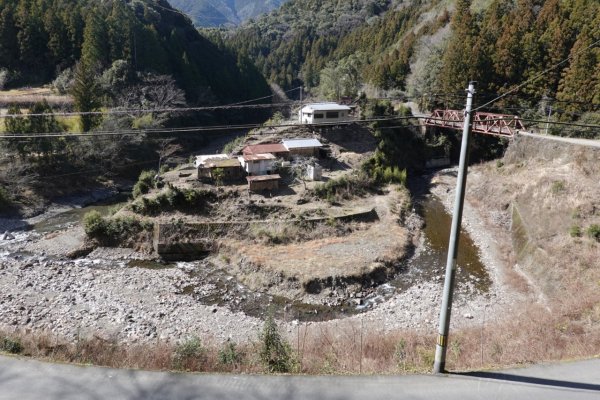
(229, 355)
(144, 184)
(4, 78)
(4, 199)
(558, 187)
(275, 352)
(63, 82)
(593, 232)
(276, 119)
(189, 354)
(343, 188)
(11, 346)
(94, 224)
(235, 143)
(173, 198)
(575, 231)
(110, 231)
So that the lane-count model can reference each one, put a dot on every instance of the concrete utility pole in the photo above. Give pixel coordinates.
(442, 341)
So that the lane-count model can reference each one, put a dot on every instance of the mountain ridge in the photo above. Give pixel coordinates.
(216, 13)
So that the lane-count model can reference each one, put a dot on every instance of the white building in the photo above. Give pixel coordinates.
(323, 112)
(258, 164)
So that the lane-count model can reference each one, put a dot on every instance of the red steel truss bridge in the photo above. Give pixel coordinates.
(485, 123)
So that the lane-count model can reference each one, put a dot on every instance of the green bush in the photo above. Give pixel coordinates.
(12, 346)
(173, 198)
(229, 355)
(94, 224)
(275, 353)
(593, 232)
(144, 184)
(575, 231)
(344, 187)
(558, 187)
(109, 231)
(189, 354)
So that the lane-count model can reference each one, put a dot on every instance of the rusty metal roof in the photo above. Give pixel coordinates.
(265, 148)
(263, 178)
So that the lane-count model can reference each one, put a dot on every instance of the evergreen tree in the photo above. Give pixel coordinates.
(95, 50)
(86, 94)
(459, 65)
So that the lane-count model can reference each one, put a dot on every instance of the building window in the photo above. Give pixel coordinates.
(332, 114)
(317, 116)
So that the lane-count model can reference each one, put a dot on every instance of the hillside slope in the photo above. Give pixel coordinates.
(41, 38)
(432, 48)
(212, 13)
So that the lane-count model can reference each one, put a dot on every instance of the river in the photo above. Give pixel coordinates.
(426, 264)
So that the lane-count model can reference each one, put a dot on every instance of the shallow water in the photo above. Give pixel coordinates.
(429, 261)
(219, 288)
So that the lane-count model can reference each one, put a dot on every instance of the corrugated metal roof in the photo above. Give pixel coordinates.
(203, 158)
(265, 148)
(229, 163)
(259, 157)
(263, 178)
(325, 107)
(301, 143)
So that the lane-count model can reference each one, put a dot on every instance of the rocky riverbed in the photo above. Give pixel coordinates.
(103, 295)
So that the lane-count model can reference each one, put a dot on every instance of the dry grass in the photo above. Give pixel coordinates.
(348, 255)
(532, 335)
(27, 96)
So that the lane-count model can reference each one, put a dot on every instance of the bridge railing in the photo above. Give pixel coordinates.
(485, 123)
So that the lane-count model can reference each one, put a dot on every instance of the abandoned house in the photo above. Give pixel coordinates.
(303, 147)
(230, 170)
(258, 164)
(263, 183)
(200, 160)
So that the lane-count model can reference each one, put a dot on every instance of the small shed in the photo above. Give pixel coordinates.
(263, 182)
(258, 164)
(323, 112)
(231, 169)
(303, 147)
(277, 149)
(314, 172)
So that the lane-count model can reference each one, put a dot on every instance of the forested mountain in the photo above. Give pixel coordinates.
(432, 46)
(212, 13)
(39, 39)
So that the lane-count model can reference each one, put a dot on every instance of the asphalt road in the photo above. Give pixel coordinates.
(24, 379)
(579, 142)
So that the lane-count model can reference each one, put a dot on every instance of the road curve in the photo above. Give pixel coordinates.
(24, 379)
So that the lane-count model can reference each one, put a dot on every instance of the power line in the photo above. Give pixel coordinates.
(239, 105)
(150, 110)
(193, 129)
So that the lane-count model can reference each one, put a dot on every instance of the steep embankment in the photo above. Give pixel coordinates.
(543, 199)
